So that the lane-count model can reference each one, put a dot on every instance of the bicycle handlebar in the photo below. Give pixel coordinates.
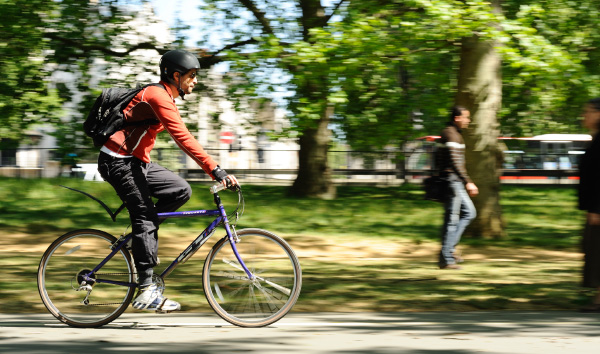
(217, 188)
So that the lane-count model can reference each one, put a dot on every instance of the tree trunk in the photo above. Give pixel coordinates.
(314, 174)
(480, 91)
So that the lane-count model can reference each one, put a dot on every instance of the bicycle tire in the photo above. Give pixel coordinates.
(59, 275)
(252, 303)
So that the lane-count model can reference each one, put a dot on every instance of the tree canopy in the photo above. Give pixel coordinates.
(57, 54)
(25, 96)
(358, 71)
(381, 61)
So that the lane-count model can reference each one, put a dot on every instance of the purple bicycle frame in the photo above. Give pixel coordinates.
(221, 216)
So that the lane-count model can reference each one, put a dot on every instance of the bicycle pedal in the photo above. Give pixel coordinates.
(163, 312)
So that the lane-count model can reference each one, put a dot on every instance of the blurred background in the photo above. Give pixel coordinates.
(311, 93)
(317, 99)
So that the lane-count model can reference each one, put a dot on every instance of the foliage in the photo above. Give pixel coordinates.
(550, 69)
(270, 53)
(381, 61)
(25, 97)
(94, 45)
(371, 63)
(546, 47)
(58, 52)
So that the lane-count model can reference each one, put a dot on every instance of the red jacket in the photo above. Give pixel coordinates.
(158, 103)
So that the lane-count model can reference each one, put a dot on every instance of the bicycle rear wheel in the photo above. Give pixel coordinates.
(60, 279)
(263, 300)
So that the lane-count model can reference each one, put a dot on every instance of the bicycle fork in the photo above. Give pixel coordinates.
(233, 240)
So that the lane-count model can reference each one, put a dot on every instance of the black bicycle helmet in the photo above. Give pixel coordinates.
(180, 61)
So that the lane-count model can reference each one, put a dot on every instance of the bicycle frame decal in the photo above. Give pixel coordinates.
(182, 214)
(193, 247)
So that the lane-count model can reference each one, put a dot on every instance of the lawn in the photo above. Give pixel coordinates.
(371, 249)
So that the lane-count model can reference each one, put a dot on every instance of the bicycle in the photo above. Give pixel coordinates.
(253, 283)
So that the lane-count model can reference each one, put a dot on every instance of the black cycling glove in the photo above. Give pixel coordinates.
(219, 174)
(230, 181)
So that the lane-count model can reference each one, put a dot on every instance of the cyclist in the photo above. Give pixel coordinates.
(125, 163)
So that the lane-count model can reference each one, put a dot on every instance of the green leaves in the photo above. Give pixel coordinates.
(547, 69)
(24, 93)
(66, 44)
(371, 62)
(383, 60)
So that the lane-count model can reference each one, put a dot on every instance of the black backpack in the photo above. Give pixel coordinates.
(436, 186)
(106, 116)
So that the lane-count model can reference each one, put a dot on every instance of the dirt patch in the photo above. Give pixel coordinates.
(326, 248)
(340, 248)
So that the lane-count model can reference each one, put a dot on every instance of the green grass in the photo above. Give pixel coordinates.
(371, 249)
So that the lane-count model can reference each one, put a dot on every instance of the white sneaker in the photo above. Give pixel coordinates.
(151, 299)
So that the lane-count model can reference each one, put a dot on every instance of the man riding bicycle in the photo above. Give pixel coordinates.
(125, 163)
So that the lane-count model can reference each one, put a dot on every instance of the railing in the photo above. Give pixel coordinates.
(287, 176)
(261, 166)
(271, 166)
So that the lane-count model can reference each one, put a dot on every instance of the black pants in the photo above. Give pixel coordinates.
(591, 251)
(137, 183)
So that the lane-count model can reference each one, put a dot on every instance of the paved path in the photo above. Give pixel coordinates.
(379, 333)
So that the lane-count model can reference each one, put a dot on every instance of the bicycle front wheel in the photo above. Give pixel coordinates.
(61, 284)
(254, 302)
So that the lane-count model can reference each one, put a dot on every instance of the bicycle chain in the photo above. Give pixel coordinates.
(116, 303)
(109, 304)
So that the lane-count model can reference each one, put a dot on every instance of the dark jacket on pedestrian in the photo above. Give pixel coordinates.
(451, 153)
(589, 174)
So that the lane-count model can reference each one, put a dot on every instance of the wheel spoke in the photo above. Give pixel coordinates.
(270, 299)
(234, 264)
(283, 289)
(267, 297)
(64, 268)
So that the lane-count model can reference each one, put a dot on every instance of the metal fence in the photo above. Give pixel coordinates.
(390, 167)
(254, 166)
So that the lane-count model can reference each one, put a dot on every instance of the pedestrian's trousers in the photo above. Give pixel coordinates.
(458, 213)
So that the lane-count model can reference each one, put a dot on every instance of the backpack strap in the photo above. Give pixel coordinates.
(145, 121)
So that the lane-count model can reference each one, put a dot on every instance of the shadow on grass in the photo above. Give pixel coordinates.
(397, 285)
(35, 212)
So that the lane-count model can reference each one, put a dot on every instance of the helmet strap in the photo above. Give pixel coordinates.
(179, 89)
